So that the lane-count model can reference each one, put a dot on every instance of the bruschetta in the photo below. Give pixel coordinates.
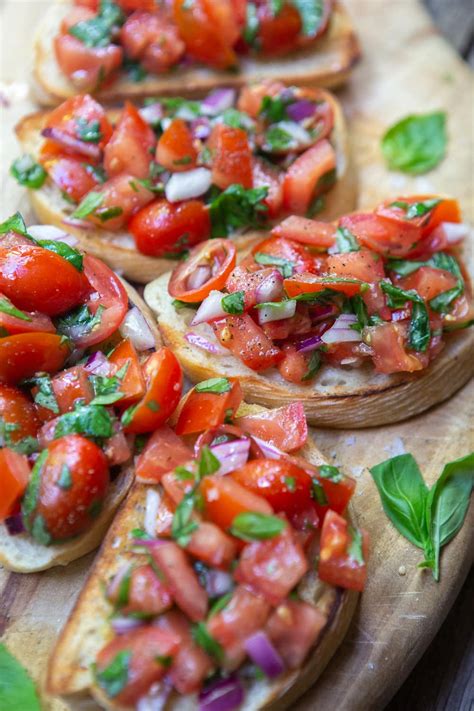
(139, 187)
(139, 48)
(362, 320)
(220, 580)
(82, 376)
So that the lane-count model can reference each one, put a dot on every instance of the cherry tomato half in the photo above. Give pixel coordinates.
(203, 410)
(25, 354)
(214, 260)
(14, 477)
(284, 485)
(18, 411)
(341, 563)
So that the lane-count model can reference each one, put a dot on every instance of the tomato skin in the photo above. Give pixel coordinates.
(202, 411)
(384, 236)
(336, 566)
(122, 192)
(284, 248)
(33, 275)
(71, 385)
(16, 409)
(146, 592)
(294, 628)
(37, 322)
(225, 499)
(85, 66)
(251, 95)
(300, 185)
(84, 107)
(68, 509)
(309, 283)
(219, 255)
(164, 451)
(145, 644)
(132, 384)
(149, 37)
(163, 228)
(279, 34)
(428, 282)
(211, 545)
(14, 477)
(164, 384)
(71, 176)
(447, 210)
(364, 265)
(176, 150)
(181, 580)
(24, 354)
(191, 665)
(128, 150)
(241, 279)
(283, 427)
(265, 175)
(294, 366)
(305, 231)
(231, 157)
(247, 341)
(284, 485)
(390, 356)
(207, 31)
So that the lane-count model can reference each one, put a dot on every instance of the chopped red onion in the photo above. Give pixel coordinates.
(231, 455)
(151, 113)
(210, 309)
(156, 698)
(201, 128)
(271, 288)
(223, 695)
(148, 542)
(218, 582)
(400, 314)
(64, 139)
(451, 232)
(73, 222)
(122, 625)
(97, 364)
(262, 652)
(14, 524)
(322, 312)
(195, 339)
(151, 511)
(308, 344)
(341, 331)
(135, 327)
(300, 110)
(268, 450)
(51, 232)
(199, 277)
(187, 185)
(218, 101)
(285, 309)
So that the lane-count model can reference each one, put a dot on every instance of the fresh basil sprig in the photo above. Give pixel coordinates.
(428, 518)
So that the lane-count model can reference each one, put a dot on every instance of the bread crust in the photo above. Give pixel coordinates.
(327, 63)
(118, 250)
(69, 674)
(22, 554)
(338, 397)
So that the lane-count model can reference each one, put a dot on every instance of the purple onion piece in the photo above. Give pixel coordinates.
(301, 110)
(308, 344)
(262, 652)
(201, 128)
(231, 455)
(195, 339)
(91, 150)
(14, 524)
(218, 582)
(149, 542)
(97, 364)
(219, 100)
(122, 625)
(223, 695)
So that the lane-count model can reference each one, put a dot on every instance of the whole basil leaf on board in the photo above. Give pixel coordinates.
(17, 691)
(416, 143)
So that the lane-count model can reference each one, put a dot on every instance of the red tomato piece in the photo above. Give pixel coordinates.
(68, 503)
(176, 150)
(251, 96)
(144, 646)
(294, 627)
(294, 366)
(225, 499)
(208, 29)
(191, 665)
(342, 562)
(382, 235)
(305, 231)
(164, 516)
(128, 150)
(204, 410)
(17, 410)
(132, 384)
(297, 254)
(35, 321)
(86, 67)
(175, 487)
(152, 39)
(131, 5)
(164, 384)
(231, 157)
(388, 343)
(117, 450)
(24, 354)
(122, 197)
(364, 265)
(14, 477)
(69, 116)
(284, 485)
(428, 282)
(247, 341)
(211, 545)
(145, 592)
(310, 284)
(166, 229)
(265, 175)
(283, 427)
(447, 210)
(218, 256)
(304, 179)
(71, 175)
(278, 32)
(181, 580)
(243, 280)
(272, 567)
(71, 385)
(164, 451)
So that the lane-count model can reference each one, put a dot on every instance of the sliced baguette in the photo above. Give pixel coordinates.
(338, 397)
(87, 631)
(22, 554)
(118, 248)
(327, 63)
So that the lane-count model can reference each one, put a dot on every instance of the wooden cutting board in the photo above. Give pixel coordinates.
(407, 67)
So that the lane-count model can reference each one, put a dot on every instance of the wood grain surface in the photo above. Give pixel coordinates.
(407, 67)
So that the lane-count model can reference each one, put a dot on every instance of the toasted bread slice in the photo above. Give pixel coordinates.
(86, 632)
(118, 248)
(22, 554)
(338, 397)
(326, 63)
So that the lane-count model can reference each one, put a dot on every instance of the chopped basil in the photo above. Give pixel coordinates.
(148, 184)
(283, 265)
(7, 307)
(106, 388)
(183, 474)
(91, 420)
(15, 223)
(123, 592)
(183, 526)
(165, 660)
(313, 365)
(290, 483)
(108, 213)
(153, 405)
(88, 205)
(416, 209)
(79, 322)
(219, 604)
(273, 109)
(419, 332)
(173, 104)
(276, 7)
(252, 526)
(328, 471)
(355, 548)
(97, 172)
(28, 172)
(98, 30)
(346, 241)
(252, 24)
(237, 208)
(178, 305)
(316, 206)
(30, 498)
(65, 478)
(88, 131)
(25, 445)
(439, 260)
(128, 414)
(17, 691)
(205, 640)
(208, 463)
(45, 396)
(416, 144)
(134, 70)
(64, 250)
(318, 493)
(236, 119)
(140, 534)
(277, 139)
(233, 303)
(214, 385)
(113, 679)
(312, 15)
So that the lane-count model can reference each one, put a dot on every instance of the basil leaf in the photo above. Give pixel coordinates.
(416, 144)
(444, 301)
(219, 604)
(251, 526)
(90, 420)
(17, 691)
(416, 209)
(355, 547)
(252, 24)
(114, 678)
(208, 463)
(106, 388)
(404, 494)
(88, 131)
(237, 207)
(346, 241)
(88, 205)
(79, 322)
(97, 32)
(15, 223)
(173, 104)
(276, 7)
(273, 109)
(233, 303)
(318, 493)
(7, 307)
(213, 385)
(183, 526)
(419, 332)
(30, 498)
(312, 14)
(28, 172)
(65, 479)
(211, 646)
(234, 118)
(64, 250)
(25, 445)
(277, 139)
(45, 396)
(313, 366)
(283, 265)
(134, 70)
(327, 471)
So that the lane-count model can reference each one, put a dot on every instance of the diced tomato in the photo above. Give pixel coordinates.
(128, 150)
(305, 231)
(209, 30)
(294, 366)
(34, 321)
(24, 354)
(231, 157)
(91, 4)
(181, 580)
(225, 499)
(14, 477)
(428, 282)
(382, 235)
(244, 614)
(143, 647)
(297, 254)
(176, 150)
(191, 665)
(71, 385)
(211, 545)
(132, 383)
(145, 593)
(87, 67)
(217, 255)
(396, 209)
(364, 265)
(176, 487)
(294, 628)
(266, 175)
(131, 5)
(122, 197)
(251, 95)
(284, 485)
(164, 516)
(284, 427)
(152, 39)
(278, 33)
(277, 330)
(167, 229)
(72, 176)
(311, 284)
(19, 412)
(248, 282)
(117, 449)
(246, 340)
(304, 179)
(448, 210)
(376, 302)
(272, 567)
(33, 276)
(163, 452)
(203, 410)
(305, 524)
(77, 111)
(342, 561)
(390, 356)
